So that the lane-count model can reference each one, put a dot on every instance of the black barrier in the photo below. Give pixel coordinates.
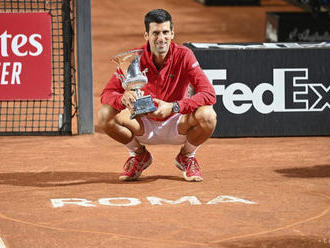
(297, 27)
(270, 89)
(314, 6)
(229, 2)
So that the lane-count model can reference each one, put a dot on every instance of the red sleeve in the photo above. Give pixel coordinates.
(113, 92)
(204, 91)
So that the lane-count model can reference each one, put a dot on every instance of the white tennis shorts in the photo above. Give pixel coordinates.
(162, 132)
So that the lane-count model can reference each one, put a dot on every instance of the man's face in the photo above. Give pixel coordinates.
(160, 36)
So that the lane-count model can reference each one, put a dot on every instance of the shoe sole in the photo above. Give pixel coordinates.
(178, 165)
(189, 179)
(193, 178)
(146, 165)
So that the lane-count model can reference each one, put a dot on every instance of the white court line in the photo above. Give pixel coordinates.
(2, 244)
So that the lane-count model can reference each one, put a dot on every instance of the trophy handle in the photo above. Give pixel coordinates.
(139, 93)
(144, 72)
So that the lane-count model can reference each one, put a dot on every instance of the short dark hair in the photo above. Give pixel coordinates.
(158, 16)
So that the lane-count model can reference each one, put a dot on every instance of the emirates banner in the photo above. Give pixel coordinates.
(25, 56)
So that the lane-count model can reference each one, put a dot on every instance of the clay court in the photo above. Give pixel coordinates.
(257, 192)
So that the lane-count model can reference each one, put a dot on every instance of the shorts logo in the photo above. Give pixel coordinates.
(291, 91)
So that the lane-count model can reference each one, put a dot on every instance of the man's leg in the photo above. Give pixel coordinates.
(198, 127)
(118, 125)
(121, 128)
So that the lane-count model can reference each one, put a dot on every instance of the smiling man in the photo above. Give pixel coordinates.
(180, 119)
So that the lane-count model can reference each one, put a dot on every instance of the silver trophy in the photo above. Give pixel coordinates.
(132, 78)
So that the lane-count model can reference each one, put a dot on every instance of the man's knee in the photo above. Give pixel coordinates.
(206, 117)
(105, 114)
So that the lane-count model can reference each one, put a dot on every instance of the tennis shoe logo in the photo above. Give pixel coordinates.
(291, 91)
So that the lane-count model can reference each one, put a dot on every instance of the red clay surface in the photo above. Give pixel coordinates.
(287, 179)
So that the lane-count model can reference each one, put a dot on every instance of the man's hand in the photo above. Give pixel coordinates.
(128, 99)
(164, 109)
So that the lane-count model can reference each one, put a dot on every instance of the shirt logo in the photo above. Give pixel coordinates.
(195, 64)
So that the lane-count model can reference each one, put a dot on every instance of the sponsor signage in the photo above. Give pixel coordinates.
(297, 27)
(229, 2)
(153, 200)
(25, 56)
(269, 91)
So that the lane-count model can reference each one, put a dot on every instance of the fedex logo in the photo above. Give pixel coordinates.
(290, 91)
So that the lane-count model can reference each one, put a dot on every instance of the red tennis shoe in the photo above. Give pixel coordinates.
(190, 167)
(135, 165)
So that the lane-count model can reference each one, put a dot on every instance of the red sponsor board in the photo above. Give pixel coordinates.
(25, 56)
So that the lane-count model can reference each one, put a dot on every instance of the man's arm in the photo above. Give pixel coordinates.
(112, 94)
(204, 91)
(164, 109)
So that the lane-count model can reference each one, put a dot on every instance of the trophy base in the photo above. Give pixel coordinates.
(143, 105)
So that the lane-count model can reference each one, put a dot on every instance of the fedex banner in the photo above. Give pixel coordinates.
(270, 89)
(25, 56)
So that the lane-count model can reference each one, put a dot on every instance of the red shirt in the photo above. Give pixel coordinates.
(170, 83)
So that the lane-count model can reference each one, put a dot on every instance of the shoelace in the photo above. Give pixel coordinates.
(129, 163)
(192, 164)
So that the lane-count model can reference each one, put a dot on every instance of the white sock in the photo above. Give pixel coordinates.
(189, 149)
(133, 146)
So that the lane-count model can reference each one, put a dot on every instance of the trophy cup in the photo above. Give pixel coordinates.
(132, 78)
